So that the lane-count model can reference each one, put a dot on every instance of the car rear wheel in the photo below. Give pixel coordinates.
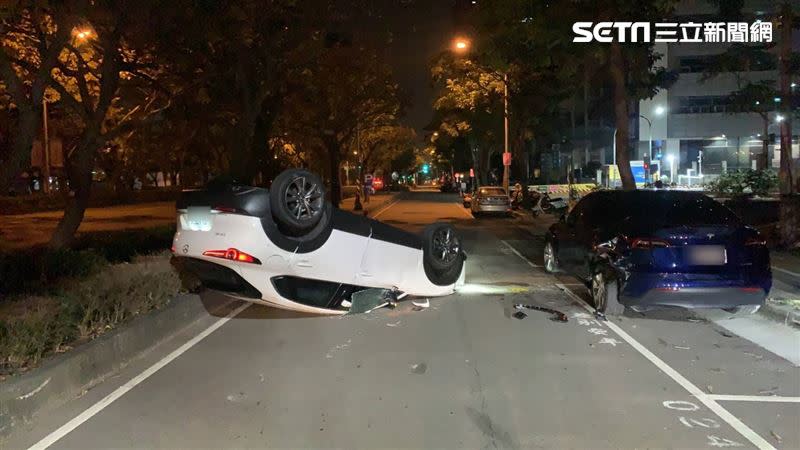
(550, 259)
(443, 255)
(605, 294)
(297, 201)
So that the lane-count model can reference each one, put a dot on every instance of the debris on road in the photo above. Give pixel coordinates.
(680, 347)
(419, 306)
(777, 436)
(394, 324)
(724, 333)
(770, 391)
(519, 315)
(710, 389)
(419, 368)
(557, 316)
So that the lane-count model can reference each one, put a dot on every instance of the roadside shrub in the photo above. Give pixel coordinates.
(742, 182)
(122, 246)
(32, 270)
(32, 327)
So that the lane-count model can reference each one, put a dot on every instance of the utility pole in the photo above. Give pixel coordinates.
(45, 150)
(506, 154)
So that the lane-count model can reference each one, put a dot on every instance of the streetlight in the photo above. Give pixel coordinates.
(779, 118)
(461, 44)
(658, 111)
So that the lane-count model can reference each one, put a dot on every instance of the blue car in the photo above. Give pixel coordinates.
(654, 248)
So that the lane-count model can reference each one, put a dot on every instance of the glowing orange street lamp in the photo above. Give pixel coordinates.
(83, 35)
(461, 45)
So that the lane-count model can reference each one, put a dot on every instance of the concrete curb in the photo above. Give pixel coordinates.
(66, 376)
(784, 315)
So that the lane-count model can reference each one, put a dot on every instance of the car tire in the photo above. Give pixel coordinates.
(297, 201)
(443, 256)
(550, 259)
(605, 294)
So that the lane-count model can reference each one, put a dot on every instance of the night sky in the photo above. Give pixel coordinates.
(419, 30)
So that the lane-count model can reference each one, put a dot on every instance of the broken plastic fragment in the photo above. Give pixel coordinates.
(519, 315)
(346, 304)
(424, 304)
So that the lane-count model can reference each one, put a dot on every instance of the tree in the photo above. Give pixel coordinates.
(33, 35)
(105, 78)
(348, 91)
(759, 97)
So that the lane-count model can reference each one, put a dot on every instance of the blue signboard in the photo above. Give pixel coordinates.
(637, 167)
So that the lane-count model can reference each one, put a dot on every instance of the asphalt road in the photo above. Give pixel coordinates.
(463, 373)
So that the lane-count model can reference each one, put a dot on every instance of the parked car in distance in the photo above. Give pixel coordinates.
(490, 200)
(644, 249)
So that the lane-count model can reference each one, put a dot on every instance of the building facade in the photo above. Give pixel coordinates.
(692, 127)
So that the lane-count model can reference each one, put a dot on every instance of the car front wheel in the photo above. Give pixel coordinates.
(605, 294)
(550, 260)
(443, 256)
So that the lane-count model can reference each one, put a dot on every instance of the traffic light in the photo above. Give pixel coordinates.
(425, 168)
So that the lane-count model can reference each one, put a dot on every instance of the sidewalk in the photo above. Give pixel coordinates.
(783, 303)
(376, 202)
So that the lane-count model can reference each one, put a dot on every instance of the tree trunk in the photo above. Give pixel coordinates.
(789, 225)
(80, 181)
(334, 161)
(763, 159)
(785, 175)
(22, 143)
(616, 67)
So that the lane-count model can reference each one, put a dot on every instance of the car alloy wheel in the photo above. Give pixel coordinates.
(599, 293)
(549, 258)
(446, 245)
(304, 200)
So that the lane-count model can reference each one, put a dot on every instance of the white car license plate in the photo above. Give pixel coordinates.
(707, 255)
(199, 218)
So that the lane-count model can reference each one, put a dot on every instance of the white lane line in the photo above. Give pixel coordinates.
(87, 414)
(383, 210)
(788, 272)
(754, 398)
(704, 398)
(520, 255)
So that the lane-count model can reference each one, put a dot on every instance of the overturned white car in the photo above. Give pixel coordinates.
(287, 247)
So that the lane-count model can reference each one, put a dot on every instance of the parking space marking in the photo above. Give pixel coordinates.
(754, 398)
(520, 255)
(704, 398)
(90, 412)
(383, 210)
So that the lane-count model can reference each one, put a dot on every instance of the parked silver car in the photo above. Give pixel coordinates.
(489, 199)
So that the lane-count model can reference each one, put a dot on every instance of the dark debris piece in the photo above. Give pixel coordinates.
(558, 316)
(519, 315)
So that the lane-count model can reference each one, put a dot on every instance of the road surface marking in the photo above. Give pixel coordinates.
(383, 210)
(87, 414)
(711, 404)
(786, 271)
(754, 398)
(704, 422)
(463, 210)
(520, 255)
